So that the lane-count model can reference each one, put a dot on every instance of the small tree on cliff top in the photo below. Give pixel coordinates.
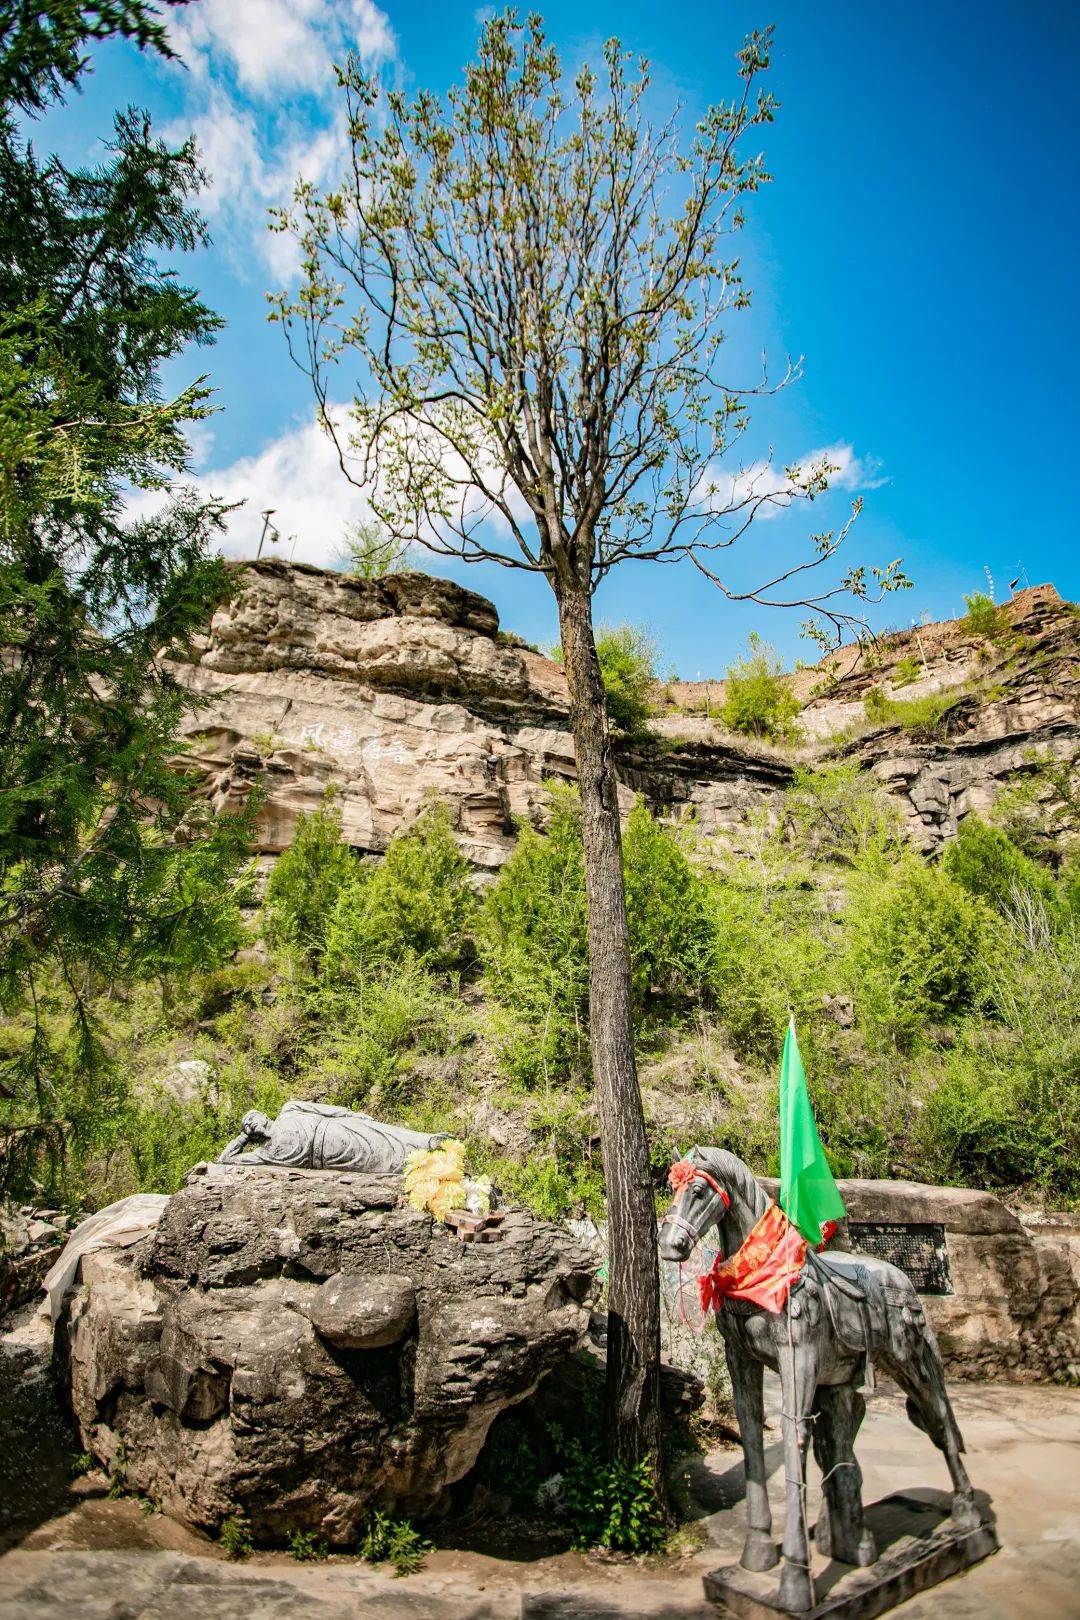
(531, 282)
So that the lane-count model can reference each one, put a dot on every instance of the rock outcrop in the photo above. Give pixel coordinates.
(1009, 704)
(30, 1240)
(395, 689)
(301, 1346)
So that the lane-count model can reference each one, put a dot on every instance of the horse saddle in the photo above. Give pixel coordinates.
(851, 1279)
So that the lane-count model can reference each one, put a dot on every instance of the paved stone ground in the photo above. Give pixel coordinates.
(103, 1560)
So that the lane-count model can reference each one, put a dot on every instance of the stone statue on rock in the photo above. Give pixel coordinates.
(318, 1136)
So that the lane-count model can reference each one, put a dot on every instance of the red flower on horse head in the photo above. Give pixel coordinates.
(681, 1175)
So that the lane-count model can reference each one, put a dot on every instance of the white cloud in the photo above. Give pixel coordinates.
(274, 45)
(297, 476)
(247, 177)
(263, 104)
(721, 489)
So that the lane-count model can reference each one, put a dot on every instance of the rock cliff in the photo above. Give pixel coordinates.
(398, 688)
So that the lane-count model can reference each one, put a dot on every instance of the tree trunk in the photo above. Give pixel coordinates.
(633, 1346)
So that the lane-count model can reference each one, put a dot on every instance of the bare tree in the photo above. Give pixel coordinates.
(528, 285)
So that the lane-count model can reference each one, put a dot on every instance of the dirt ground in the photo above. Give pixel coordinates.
(90, 1558)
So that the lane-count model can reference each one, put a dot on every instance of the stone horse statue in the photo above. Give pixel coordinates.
(841, 1313)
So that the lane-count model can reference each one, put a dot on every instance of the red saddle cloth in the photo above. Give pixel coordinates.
(766, 1266)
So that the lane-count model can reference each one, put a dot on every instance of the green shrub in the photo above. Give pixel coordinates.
(611, 1505)
(919, 717)
(393, 1541)
(239, 981)
(915, 949)
(906, 671)
(988, 864)
(563, 1175)
(369, 1033)
(235, 1537)
(371, 552)
(303, 889)
(627, 657)
(416, 902)
(758, 701)
(626, 654)
(1006, 1112)
(842, 815)
(306, 1547)
(771, 956)
(533, 936)
(983, 616)
(667, 912)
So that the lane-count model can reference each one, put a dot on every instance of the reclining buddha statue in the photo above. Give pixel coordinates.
(317, 1136)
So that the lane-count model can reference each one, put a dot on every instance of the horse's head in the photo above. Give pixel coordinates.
(701, 1201)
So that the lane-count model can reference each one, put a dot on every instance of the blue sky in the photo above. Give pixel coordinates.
(918, 246)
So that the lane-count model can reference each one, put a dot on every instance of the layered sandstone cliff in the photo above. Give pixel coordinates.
(397, 689)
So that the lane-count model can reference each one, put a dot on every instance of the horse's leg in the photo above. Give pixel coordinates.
(921, 1376)
(841, 1532)
(759, 1549)
(798, 1377)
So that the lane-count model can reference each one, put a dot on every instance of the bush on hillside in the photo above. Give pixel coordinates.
(534, 939)
(916, 944)
(771, 957)
(627, 656)
(842, 815)
(667, 910)
(1006, 1112)
(533, 944)
(372, 1032)
(416, 902)
(306, 884)
(758, 701)
(983, 616)
(988, 864)
(924, 716)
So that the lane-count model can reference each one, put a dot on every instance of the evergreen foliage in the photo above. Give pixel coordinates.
(303, 890)
(917, 951)
(989, 865)
(110, 869)
(417, 902)
(534, 945)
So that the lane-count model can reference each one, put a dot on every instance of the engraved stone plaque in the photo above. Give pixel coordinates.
(917, 1248)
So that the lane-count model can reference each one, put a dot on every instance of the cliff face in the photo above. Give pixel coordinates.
(395, 689)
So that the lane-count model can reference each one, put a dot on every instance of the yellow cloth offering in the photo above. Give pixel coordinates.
(435, 1181)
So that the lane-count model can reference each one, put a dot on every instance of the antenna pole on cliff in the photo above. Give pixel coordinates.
(266, 516)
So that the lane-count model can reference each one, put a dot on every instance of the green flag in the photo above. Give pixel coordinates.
(808, 1194)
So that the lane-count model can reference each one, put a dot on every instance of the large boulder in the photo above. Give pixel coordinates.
(301, 1346)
